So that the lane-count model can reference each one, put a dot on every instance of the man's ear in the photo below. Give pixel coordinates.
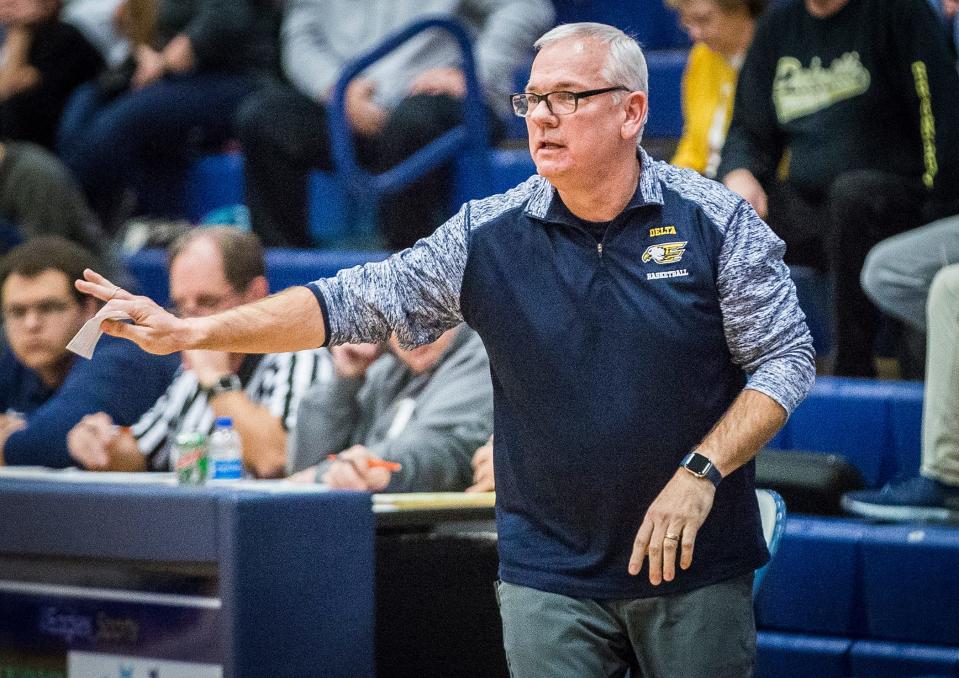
(637, 108)
(257, 289)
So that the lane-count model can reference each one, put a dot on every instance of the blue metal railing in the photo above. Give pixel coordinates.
(468, 142)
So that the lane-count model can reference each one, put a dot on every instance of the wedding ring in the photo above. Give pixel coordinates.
(670, 535)
(114, 292)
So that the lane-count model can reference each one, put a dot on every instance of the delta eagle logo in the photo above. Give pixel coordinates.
(665, 252)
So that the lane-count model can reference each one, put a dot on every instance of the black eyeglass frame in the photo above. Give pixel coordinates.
(545, 97)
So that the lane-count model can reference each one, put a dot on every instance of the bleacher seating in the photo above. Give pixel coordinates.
(216, 181)
(874, 424)
(843, 597)
(817, 557)
(909, 583)
(848, 598)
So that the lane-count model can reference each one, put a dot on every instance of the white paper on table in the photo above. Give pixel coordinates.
(86, 339)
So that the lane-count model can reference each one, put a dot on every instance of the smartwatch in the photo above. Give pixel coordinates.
(228, 383)
(701, 467)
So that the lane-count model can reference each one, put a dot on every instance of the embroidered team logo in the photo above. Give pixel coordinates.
(665, 252)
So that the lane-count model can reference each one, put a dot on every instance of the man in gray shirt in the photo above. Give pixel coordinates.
(425, 409)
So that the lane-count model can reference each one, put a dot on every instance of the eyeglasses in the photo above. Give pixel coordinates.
(46, 309)
(558, 103)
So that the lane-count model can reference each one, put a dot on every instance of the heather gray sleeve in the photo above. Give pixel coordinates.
(415, 293)
(765, 328)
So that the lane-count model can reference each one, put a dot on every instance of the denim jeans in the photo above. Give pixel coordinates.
(145, 139)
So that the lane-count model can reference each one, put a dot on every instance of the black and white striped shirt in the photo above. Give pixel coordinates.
(277, 381)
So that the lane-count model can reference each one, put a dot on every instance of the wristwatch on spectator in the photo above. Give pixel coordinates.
(228, 383)
(701, 467)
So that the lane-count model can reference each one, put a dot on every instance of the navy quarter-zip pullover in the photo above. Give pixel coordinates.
(610, 358)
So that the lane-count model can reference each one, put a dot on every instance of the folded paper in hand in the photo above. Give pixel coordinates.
(86, 339)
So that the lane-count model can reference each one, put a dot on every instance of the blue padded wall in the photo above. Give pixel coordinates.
(910, 576)
(787, 655)
(812, 585)
(871, 659)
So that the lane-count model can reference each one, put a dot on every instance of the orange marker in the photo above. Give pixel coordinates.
(391, 466)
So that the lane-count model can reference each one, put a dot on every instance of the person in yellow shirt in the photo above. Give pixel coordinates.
(722, 31)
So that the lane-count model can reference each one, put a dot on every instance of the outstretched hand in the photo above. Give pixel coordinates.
(153, 329)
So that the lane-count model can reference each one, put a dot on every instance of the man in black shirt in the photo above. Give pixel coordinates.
(844, 132)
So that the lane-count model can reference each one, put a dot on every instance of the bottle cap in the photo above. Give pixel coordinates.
(225, 422)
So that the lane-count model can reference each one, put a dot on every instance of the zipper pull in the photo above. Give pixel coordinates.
(599, 248)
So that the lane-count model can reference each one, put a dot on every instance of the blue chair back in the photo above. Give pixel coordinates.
(772, 510)
(467, 142)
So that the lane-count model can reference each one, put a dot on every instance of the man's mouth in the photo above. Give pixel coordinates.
(548, 145)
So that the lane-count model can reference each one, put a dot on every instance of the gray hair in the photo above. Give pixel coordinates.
(625, 64)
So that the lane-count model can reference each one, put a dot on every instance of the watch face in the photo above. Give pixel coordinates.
(226, 384)
(698, 464)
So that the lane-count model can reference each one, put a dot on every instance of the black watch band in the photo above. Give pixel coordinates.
(701, 467)
(228, 383)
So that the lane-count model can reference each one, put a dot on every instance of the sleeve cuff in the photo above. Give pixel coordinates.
(321, 300)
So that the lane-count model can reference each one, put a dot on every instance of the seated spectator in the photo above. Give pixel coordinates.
(425, 408)
(482, 463)
(44, 60)
(45, 389)
(136, 138)
(721, 31)
(211, 270)
(863, 97)
(934, 493)
(899, 270)
(38, 196)
(397, 106)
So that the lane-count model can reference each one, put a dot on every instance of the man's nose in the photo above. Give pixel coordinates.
(540, 113)
(33, 318)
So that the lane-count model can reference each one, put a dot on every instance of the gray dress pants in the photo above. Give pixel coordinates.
(709, 632)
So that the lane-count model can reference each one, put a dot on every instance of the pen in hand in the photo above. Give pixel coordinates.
(391, 466)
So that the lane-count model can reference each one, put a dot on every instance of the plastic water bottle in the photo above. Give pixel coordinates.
(226, 452)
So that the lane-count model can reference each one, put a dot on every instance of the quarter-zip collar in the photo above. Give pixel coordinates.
(546, 205)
